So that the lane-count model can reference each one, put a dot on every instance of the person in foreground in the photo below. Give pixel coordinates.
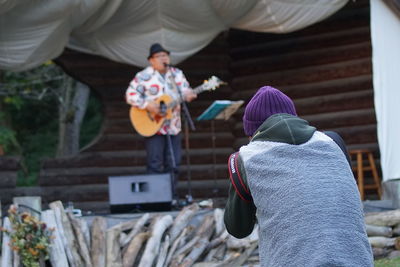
(297, 184)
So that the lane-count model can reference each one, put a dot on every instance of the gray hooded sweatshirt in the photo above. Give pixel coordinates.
(305, 198)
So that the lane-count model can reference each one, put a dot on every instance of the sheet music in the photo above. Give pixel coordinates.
(220, 110)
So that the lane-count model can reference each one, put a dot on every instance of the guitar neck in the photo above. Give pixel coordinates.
(198, 89)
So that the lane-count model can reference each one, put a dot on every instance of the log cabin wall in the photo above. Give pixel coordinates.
(119, 150)
(325, 68)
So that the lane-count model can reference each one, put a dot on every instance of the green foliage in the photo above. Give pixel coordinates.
(29, 237)
(29, 108)
(36, 129)
(387, 263)
(8, 140)
(91, 122)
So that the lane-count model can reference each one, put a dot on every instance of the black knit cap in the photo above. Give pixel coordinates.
(156, 48)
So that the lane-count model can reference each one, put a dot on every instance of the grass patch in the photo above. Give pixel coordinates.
(388, 262)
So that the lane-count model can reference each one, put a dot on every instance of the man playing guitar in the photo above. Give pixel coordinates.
(148, 85)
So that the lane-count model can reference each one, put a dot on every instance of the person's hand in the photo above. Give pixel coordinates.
(153, 107)
(190, 96)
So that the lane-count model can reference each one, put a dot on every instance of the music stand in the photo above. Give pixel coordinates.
(218, 110)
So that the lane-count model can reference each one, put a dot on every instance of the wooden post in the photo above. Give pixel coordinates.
(205, 232)
(153, 243)
(32, 205)
(385, 218)
(135, 230)
(6, 252)
(182, 220)
(134, 246)
(80, 238)
(98, 249)
(58, 258)
(113, 256)
(67, 234)
(374, 230)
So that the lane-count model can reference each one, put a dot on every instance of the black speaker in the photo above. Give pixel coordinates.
(136, 193)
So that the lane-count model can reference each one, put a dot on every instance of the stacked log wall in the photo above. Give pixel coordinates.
(9, 167)
(326, 69)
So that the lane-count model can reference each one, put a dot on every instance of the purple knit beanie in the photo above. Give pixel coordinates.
(265, 103)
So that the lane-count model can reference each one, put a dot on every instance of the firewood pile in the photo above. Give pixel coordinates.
(194, 237)
(383, 229)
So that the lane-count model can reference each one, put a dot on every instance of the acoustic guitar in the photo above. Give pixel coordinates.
(148, 124)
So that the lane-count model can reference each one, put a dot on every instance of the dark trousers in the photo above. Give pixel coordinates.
(159, 156)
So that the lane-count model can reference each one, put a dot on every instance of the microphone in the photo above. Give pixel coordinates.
(167, 65)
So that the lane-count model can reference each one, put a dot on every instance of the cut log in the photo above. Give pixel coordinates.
(84, 226)
(122, 237)
(374, 230)
(79, 235)
(396, 230)
(163, 252)
(206, 264)
(134, 246)
(183, 218)
(31, 205)
(58, 257)
(394, 254)
(244, 255)
(153, 243)
(235, 243)
(219, 221)
(380, 252)
(220, 252)
(70, 243)
(384, 242)
(386, 218)
(174, 246)
(16, 259)
(136, 229)
(124, 226)
(186, 248)
(218, 240)
(205, 232)
(6, 252)
(113, 255)
(98, 248)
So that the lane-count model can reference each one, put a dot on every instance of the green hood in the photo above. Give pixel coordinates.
(284, 128)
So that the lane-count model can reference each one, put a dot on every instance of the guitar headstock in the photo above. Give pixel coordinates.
(212, 83)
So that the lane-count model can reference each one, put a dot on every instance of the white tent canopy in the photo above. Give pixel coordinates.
(386, 79)
(32, 32)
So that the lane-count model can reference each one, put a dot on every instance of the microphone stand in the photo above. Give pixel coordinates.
(188, 123)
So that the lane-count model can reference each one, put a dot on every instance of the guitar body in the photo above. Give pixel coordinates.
(146, 123)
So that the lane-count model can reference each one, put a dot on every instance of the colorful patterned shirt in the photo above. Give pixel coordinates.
(149, 84)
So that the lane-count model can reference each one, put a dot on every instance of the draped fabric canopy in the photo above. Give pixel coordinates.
(385, 29)
(32, 32)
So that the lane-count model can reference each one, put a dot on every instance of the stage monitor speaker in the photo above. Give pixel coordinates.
(135, 193)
